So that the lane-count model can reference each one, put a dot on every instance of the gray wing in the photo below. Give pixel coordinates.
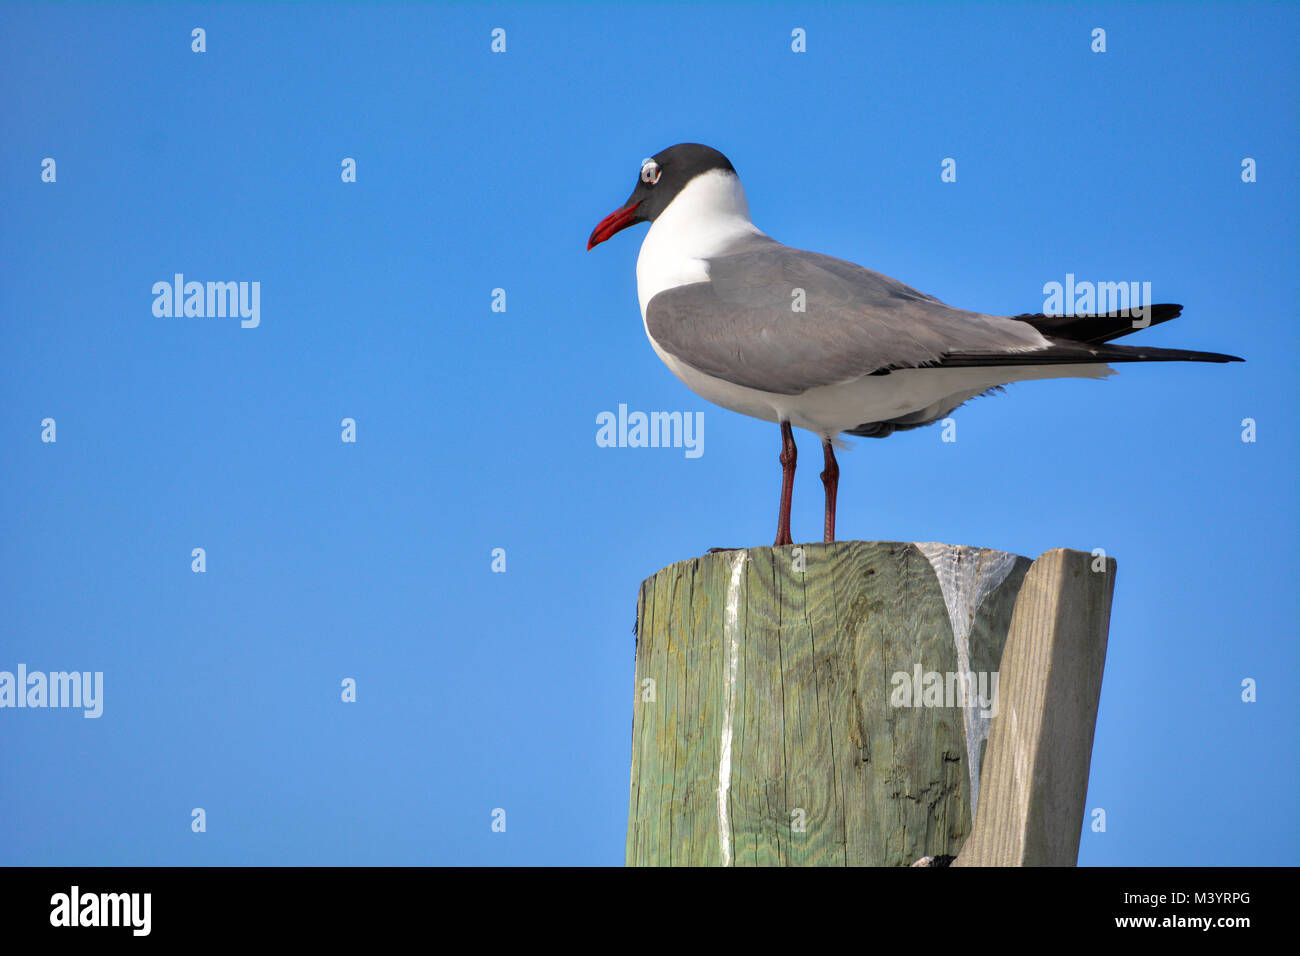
(743, 325)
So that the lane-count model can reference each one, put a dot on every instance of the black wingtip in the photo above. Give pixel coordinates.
(1098, 328)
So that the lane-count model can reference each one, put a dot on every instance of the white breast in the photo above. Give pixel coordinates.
(705, 219)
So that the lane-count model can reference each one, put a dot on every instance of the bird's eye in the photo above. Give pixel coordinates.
(650, 171)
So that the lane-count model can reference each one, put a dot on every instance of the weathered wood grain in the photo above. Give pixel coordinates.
(1035, 774)
(784, 710)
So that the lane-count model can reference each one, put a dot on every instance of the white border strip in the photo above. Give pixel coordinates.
(730, 636)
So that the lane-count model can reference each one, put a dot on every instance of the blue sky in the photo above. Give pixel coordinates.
(476, 429)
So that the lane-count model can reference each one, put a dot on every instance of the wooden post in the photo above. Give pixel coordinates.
(1035, 776)
(821, 703)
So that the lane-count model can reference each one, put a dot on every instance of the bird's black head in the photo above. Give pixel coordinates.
(660, 179)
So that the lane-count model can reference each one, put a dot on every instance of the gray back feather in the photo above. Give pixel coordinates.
(742, 327)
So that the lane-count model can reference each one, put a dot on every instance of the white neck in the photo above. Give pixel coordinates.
(703, 221)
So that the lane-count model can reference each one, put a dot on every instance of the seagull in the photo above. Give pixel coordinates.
(809, 341)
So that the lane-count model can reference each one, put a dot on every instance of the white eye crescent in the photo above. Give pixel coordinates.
(650, 171)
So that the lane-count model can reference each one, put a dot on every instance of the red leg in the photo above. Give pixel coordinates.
(789, 453)
(831, 479)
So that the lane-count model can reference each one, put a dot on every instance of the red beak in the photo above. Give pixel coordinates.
(616, 221)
